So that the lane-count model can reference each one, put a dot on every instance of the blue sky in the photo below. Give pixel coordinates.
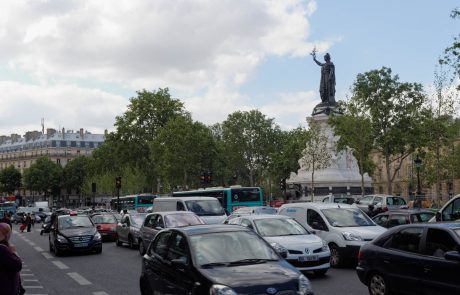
(77, 63)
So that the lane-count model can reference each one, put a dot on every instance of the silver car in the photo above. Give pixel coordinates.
(128, 229)
(385, 202)
(154, 222)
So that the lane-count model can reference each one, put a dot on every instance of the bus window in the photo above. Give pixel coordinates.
(246, 195)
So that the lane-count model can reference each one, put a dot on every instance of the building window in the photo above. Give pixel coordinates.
(63, 143)
(58, 161)
(73, 144)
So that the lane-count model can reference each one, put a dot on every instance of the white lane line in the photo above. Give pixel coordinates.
(25, 269)
(100, 293)
(29, 280)
(33, 287)
(78, 278)
(27, 274)
(47, 255)
(60, 265)
(39, 249)
(32, 244)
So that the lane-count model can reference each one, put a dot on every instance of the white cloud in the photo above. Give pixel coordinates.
(204, 48)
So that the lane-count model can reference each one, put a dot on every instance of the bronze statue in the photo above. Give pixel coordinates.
(327, 84)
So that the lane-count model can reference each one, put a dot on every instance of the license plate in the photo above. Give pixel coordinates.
(308, 258)
(81, 245)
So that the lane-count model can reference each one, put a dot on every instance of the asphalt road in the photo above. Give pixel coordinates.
(117, 270)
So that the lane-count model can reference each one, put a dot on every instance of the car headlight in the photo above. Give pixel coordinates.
(325, 246)
(221, 290)
(305, 286)
(61, 239)
(351, 236)
(97, 236)
(278, 248)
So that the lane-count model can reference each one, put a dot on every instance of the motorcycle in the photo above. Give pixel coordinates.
(46, 226)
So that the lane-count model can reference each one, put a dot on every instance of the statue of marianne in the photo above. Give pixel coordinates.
(327, 84)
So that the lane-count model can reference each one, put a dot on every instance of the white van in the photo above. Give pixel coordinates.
(449, 212)
(208, 208)
(345, 228)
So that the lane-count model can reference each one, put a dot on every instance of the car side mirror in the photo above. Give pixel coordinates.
(283, 254)
(179, 263)
(438, 216)
(452, 255)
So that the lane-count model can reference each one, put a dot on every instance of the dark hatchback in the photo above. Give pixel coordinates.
(400, 217)
(413, 259)
(217, 259)
(74, 234)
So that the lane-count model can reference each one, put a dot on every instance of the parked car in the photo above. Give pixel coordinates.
(128, 229)
(18, 217)
(385, 202)
(74, 234)
(341, 199)
(154, 222)
(106, 225)
(217, 259)
(251, 210)
(305, 251)
(403, 216)
(344, 227)
(413, 259)
(450, 211)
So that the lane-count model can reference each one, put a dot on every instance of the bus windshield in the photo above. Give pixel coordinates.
(245, 195)
(205, 207)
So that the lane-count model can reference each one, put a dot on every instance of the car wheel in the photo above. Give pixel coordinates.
(130, 242)
(118, 242)
(141, 247)
(378, 285)
(320, 272)
(336, 258)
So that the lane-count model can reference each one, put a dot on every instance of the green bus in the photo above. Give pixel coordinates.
(231, 198)
(138, 202)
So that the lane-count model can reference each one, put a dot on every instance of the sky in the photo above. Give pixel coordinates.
(76, 63)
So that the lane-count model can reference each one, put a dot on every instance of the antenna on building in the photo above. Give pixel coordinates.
(43, 125)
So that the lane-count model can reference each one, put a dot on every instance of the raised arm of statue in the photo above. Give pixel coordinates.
(317, 62)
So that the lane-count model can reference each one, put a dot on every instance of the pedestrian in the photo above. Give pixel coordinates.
(28, 222)
(10, 264)
(6, 219)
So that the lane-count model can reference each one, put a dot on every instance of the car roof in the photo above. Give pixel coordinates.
(210, 228)
(447, 225)
(264, 216)
(406, 212)
(164, 213)
(319, 205)
(194, 198)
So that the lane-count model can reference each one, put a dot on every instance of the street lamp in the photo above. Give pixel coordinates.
(418, 165)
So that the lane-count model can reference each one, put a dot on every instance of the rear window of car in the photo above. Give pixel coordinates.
(421, 217)
(396, 201)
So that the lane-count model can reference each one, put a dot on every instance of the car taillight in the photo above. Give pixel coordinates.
(360, 255)
(385, 209)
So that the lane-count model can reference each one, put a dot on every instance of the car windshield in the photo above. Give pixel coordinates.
(205, 207)
(230, 247)
(74, 221)
(274, 227)
(138, 219)
(341, 217)
(99, 219)
(179, 220)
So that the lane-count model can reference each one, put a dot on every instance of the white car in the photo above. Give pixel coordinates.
(345, 228)
(305, 251)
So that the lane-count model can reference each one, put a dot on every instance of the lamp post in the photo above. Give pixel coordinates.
(418, 165)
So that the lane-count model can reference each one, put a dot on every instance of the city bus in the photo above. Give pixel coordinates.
(138, 202)
(7, 207)
(231, 198)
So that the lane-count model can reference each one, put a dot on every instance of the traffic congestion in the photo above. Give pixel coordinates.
(194, 245)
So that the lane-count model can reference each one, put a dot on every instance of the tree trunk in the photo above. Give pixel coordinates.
(387, 166)
(362, 178)
(313, 184)
(185, 179)
(251, 177)
(438, 177)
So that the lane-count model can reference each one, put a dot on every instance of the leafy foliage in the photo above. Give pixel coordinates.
(10, 179)
(44, 176)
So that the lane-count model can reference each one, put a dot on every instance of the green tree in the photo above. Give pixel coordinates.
(181, 150)
(10, 179)
(353, 131)
(44, 176)
(316, 154)
(396, 114)
(251, 138)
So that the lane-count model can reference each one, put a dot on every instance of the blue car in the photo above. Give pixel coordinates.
(217, 259)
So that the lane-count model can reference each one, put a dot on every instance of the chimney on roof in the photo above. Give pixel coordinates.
(81, 133)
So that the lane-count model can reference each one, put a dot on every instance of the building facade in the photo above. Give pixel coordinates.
(59, 146)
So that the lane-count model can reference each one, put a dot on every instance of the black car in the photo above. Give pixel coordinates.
(405, 216)
(217, 259)
(74, 233)
(412, 259)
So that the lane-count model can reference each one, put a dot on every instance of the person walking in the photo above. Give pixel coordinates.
(10, 264)
(28, 222)
(6, 219)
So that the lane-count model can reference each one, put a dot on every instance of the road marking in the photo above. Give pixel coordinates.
(27, 274)
(32, 244)
(32, 287)
(47, 255)
(25, 269)
(60, 265)
(100, 293)
(39, 249)
(29, 280)
(78, 278)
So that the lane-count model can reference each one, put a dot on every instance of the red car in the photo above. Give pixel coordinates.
(106, 225)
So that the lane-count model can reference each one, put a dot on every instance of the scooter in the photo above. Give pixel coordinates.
(46, 227)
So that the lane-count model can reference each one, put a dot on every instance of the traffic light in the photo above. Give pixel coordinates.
(209, 177)
(118, 182)
(283, 184)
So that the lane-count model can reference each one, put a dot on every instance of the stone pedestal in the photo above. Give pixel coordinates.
(342, 177)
